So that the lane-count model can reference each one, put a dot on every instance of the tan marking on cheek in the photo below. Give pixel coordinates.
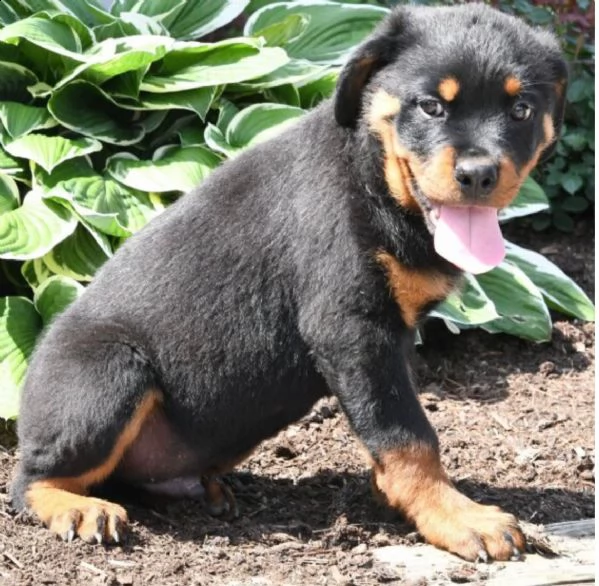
(548, 129)
(512, 86)
(449, 88)
(397, 176)
(436, 177)
(413, 290)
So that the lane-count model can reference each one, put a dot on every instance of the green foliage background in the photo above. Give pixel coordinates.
(107, 116)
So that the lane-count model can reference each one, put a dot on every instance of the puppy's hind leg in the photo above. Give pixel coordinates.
(84, 403)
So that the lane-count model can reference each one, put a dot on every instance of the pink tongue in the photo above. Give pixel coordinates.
(469, 237)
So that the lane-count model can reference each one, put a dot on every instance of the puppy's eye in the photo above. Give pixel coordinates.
(432, 108)
(521, 111)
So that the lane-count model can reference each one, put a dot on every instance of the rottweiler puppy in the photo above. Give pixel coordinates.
(299, 269)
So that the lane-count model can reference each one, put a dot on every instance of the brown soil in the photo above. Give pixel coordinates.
(516, 422)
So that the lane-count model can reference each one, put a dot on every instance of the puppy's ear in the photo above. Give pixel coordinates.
(559, 105)
(380, 49)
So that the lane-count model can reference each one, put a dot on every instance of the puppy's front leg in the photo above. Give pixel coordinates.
(365, 363)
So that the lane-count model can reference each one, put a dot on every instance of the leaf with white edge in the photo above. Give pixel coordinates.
(333, 29)
(8, 165)
(90, 12)
(531, 199)
(50, 151)
(52, 36)
(177, 169)
(7, 14)
(20, 326)
(114, 57)
(215, 139)
(35, 272)
(198, 100)
(191, 136)
(295, 71)
(519, 303)
(285, 31)
(560, 292)
(156, 10)
(9, 194)
(312, 92)
(19, 119)
(78, 256)
(86, 109)
(219, 64)
(470, 306)
(14, 81)
(34, 228)
(54, 295)
(260, 122)
(106, 204)
(196, 19)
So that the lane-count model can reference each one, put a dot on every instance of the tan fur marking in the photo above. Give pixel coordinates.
(449, 88)
(510, 180)
(412, 480)
(397, 174)
(512, 86)
(411, 289)
(58, 502)
(436, 177)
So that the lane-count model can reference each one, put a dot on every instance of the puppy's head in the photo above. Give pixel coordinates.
(461, 103)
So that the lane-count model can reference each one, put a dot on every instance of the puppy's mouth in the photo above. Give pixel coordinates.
(467, 236)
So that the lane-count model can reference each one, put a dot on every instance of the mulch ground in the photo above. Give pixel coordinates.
(515, 419)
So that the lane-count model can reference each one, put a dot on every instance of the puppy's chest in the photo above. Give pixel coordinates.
(414, 290)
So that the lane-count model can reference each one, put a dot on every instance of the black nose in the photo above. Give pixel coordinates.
(476, 175)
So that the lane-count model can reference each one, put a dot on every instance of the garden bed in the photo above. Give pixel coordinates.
(515, 419)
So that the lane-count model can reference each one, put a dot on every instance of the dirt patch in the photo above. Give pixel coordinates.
(515, 419)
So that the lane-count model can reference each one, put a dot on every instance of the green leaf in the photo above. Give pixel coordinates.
(575, 204)
(333, 29)
(78, 256)
(172, 169)
(215, 139)
(19, 119)
(14, 81)
(54, 295)
(9, 194)
(576, 140)
(52, 36)
(470, 306)
(260, 122)
(7, 15)
(20, 325)
(314, 91)
(35, 272)
(562, 221)
(531, 199)
(285, 31)
(34, 228)
(84, 108)
(196, 19)
(557, 288)
(50, 151)
(197, 100)
(571, 183)
(518, 301)
(194, 65)
(295, 71)
(114, 57)
(89, 12)
(106, 204)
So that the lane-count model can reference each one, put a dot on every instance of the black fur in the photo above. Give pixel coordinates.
(258, 293)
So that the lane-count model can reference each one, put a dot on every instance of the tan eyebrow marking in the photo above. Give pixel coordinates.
(512, 85)
(448, 88)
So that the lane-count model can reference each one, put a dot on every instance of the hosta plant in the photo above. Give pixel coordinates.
(108, 115)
